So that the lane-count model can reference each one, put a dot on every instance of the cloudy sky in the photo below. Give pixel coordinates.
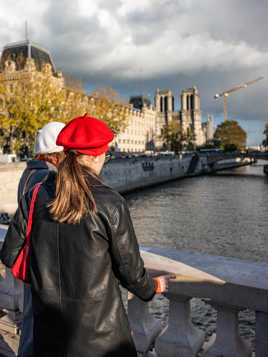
(136, 46)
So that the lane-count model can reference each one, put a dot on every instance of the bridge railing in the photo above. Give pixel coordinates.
(229, 285)
(232, 285)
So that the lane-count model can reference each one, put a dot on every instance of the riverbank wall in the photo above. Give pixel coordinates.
(123, 174)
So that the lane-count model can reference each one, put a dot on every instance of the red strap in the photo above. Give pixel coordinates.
(30, 218)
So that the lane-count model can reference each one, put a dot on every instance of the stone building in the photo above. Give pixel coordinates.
(145, 122)
(26, 60)
(189, 116)
(141, 131)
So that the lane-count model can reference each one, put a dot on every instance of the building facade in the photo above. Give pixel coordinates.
(145, 122)
(141, 131)
(26, 61)
(190, 115)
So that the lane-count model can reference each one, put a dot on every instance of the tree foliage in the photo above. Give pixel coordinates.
(31, 102)
(107, 105)
(229, 134)
(172, 136)
(265, 132)
(189, 139)
(175, 138)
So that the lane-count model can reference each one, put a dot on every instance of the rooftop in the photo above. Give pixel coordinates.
(19, 51)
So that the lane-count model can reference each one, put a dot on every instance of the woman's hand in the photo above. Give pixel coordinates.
(162, 283)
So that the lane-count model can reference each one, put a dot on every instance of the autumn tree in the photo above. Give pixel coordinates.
(265, 132)
(188, 139)
(177, 139)
(37, 99)
(172, 135)
(29, 104)
(107, 105)
(230, 135)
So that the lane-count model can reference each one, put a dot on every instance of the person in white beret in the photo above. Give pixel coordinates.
(47, 156)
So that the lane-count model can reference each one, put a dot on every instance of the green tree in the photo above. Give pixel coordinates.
(265, 132)
(172, 135)
(188, 139)
(229, 134)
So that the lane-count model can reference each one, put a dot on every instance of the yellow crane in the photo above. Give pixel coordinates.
(226, 93)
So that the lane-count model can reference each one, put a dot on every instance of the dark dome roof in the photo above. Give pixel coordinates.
(19, 51)
(139, 101)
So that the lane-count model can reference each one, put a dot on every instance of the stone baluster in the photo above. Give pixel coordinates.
(228, 342)
(261, 349)
(180, 337)
(144, 326)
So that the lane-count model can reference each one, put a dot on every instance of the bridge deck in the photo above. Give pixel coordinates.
(8, 344)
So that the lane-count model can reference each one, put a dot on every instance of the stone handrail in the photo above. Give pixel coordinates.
(228, 284)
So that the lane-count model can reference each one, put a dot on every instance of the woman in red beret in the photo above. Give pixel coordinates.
(82, 246)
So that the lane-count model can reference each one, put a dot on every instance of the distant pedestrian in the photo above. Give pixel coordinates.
(48, 154)
(82, 246)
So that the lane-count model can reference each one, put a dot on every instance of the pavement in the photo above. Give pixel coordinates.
(8, 344)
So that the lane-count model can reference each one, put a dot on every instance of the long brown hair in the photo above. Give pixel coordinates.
(73, 196)
(54, 157)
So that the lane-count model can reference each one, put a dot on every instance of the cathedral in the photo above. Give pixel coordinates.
(189, 116)
(147, 121)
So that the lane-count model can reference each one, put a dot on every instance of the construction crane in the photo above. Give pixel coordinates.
(226, 93)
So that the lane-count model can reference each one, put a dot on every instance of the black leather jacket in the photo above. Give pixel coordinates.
(75, 274)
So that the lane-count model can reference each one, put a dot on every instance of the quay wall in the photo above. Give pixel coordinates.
(127, 175)
(123, 174)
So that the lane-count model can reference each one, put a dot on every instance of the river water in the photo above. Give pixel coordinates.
(223, 214)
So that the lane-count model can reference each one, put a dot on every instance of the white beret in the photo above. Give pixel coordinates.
(45, 142)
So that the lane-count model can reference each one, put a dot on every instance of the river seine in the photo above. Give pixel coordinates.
(222, 214)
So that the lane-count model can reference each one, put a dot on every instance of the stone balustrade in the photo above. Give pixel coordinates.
(233, 285)
(229, 285)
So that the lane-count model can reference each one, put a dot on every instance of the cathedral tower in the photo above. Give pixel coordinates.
(190, 114)
(164, 102)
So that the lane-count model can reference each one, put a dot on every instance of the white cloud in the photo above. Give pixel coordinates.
(142, 38)
(87, 8)
(128, 6)
(172, 53)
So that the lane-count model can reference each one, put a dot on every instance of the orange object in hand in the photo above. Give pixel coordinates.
(162, 283)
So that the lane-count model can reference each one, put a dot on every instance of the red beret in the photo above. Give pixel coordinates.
(87, 135)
